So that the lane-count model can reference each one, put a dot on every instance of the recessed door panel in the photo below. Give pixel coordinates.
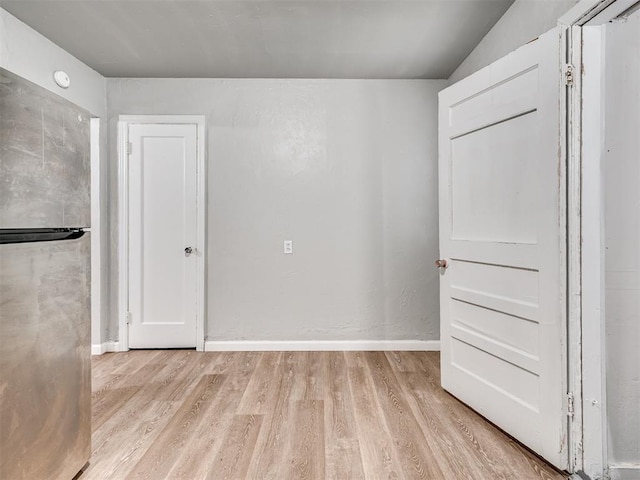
(494, 178)
(510, 331)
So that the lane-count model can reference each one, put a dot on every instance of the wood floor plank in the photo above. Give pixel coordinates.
(226, 362)
(137, 361)
(483, 442)
(343, 458)
(177, 379)
(296, 367)
(159, 459)
(276, 444)
(138, 374)
(281, 415)
(102, 380)
(316, 365)
(119, 441)
(271, 461)
(445, 438)
(404, 361)
(355, 359)
(112, 400)
(116, 451)
(114, 360)
(109, 403)
(418, 460)
(379, 458)
(232, 461)
(196, 460)
(260, 393)
(308, 450)
(495, 450)
(128, 378)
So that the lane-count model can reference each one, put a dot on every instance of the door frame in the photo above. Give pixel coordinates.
(583, 141)
(123, 219)
(96, 240)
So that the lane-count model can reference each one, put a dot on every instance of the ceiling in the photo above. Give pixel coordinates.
(264, 38)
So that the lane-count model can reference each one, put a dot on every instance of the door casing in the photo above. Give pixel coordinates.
(123, 220)
(581, 109)
(96, 241)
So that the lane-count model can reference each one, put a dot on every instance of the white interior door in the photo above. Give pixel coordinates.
(162, 235)
(503, 233)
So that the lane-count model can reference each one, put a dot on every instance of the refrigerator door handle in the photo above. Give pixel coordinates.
(39, 235)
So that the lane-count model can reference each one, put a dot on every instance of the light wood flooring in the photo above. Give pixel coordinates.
(291, 415)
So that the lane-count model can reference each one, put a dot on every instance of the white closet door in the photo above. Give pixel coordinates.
(162, 229)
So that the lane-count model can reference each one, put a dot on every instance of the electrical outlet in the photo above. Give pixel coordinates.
(288, 246)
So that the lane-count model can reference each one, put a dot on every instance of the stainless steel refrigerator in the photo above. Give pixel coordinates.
(45, 371)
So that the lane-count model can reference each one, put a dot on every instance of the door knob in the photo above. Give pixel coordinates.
(442, 263)
(188, 250)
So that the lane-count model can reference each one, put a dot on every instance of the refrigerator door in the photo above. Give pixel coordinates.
(45, 370)
(44, 158)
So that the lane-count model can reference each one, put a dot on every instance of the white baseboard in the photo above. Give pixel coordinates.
(322, 346)
(624, 471)
(104, 347)
(300, 346)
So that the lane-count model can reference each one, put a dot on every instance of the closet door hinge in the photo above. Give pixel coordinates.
(570, 406)
(129, 148)
(568, 75)
(128, 318)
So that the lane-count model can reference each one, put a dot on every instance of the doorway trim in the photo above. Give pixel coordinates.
(96, 241)
(586, 329)
(123, 219)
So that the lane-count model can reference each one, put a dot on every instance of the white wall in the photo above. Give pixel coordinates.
(622, 241)
(524, 21)
(347, 169)
(25, 52)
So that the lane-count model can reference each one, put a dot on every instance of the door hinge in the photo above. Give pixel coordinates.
(129, 148)
(128, 318)
(568, 75)
(570, 406)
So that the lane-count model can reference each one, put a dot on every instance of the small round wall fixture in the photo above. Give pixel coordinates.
(62, 79)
